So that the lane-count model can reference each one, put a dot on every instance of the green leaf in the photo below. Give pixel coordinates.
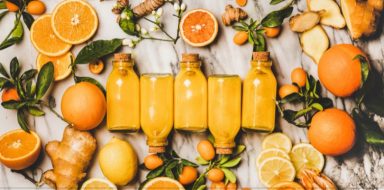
(229, 175)
(174, 154)
(29, 89)
(201, 161)
(28, 19)
(35, 111)
(260, 43)
(290, 98)
(317, 106)
(3, 81)
(2, 5)
(232, 163)
(128, 25)
(188, 163)
(239, 149)
(169, 168)
(97, 50)
(2, 15)
(28, 74)
(22, 120)
(275, 2)
(3, 71)
(199, 182)
(239, 28)
(276, 18)
(371, 130)
(13, 104)
(202, 187)
(223, 159)
(364, 68)
(20, 89)
(14, 68)
(15, 36)
(156, 172)
(44, 79)
(211, 139)
(52, 102)
(325, 102)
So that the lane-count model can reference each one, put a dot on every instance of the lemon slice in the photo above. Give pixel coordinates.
(306, 156)
(96, 184)
(274, 170)
(269, 153)
(279, 141)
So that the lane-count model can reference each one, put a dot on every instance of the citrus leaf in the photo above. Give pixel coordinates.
(28, 74)
(275, 2)
(97, 50)
(3, 71)
(169, 168)
(35, 111)
(14, 68)
(364, 68)
(3, 81)
(290, 98)
(201, 161)
(28, 19)
(128, 25)
(199, 182)
(371, 130)
(174, 154)
(22, 120)
(188, 163)
(202, 187)
(211, 139)
(20, 89)
(13, 104)
(156, 172)
(276, 18)
(229, 175)
(239, 149)
(317, 106)
(223, 159)
(44, 79)
(232, 163)
(15, 36)
(3, 14)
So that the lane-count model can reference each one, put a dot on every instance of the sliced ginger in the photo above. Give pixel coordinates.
(330, 12)
(304, 21)
(314, 42)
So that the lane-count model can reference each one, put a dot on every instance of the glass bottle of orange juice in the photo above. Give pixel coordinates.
(259, 95)
(123, 95)
(190, 96)
(224, 110)
(156, 97)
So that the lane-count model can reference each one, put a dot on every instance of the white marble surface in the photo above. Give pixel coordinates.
(363, 168)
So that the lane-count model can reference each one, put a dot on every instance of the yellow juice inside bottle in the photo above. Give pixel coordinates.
(224, 110)
(156, 109)
(259, 95)
(191, 96)
(123, 96)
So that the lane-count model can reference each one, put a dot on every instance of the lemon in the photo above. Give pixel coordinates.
(277, 140)
(269, 153)
(306, 156)
(118, 161)
(97, 184)
(274, 170)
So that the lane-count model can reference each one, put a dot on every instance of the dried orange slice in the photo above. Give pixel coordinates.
(198, 27)
(44, 39)
(19, 149)
(61, 64)
(163, 183)
(74, 21)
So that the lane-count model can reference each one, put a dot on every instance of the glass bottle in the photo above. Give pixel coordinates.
(224, 110)
(156, 109)
(123, 109)
(259, 95)
(190, 96)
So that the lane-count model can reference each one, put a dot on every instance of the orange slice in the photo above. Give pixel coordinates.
(163, 183)
(198, 27)
(19, 149)
(61, 64)
(74, 21)
(44, 39)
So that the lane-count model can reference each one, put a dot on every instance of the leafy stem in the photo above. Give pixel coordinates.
(51, 108)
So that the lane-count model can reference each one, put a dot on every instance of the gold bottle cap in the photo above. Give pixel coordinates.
(260, 56)
(190, 57)
(224, 150)
(156, 149)
(122, 56)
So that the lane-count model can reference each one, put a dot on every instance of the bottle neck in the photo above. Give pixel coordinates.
(190, 65)
(261, 64)
(122, 64)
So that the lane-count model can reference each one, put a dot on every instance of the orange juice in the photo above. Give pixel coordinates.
(259, 95)
(224, 110)
(123, 101)
(190, 96)
(156, 109)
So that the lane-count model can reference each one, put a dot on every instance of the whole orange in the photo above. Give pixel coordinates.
(332, 132)
(10, 94)
(338, 71)
(299, 76)
(36, 7)
(84, 105)
(188, 175)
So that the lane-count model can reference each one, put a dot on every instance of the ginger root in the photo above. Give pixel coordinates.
(147, 7)
(313, 180)
(330, 12)
(304, 21)
(361, 16)
(233, 15)
(70, 159)
(314, 42)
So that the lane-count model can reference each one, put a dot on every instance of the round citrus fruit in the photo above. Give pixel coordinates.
(338, 71)
(272, 32)
(287, 89)
(305, 156)
(44, 40)
(163, 183)
(299, 76)
(61, 64)
(153, 161)
(198, 27)
(206, 150)
(274, 170)
(83, 105)
(11, 7)
(74, 21)
(277, 140)
(269, 153)
(10, 94)
(188, 175)
(36, 7)
(332, 132)
(215, 175)
(19, 149)
(287, 185)
(96, 67)
(96, 183)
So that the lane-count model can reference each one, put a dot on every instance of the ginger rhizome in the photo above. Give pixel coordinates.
(232, 15)
(70, 159)
(147, 7)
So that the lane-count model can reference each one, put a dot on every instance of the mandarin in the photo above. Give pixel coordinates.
(188, 175)
(272, 32)
(10, 94)
(299, 76)
(153, 161)
(287, 89)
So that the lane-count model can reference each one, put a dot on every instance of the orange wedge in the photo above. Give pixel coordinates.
(44, 39)
(61, 64)
(19, 149)
(74, 21)
(163, 183)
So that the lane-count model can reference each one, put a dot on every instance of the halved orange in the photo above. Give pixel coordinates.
(163, 183)
(44, 39)
(61, 64)
(198, 27)
(19, 149)
(74, 21)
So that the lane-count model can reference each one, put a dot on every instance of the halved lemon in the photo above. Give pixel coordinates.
(74, 21)
(19, 149)
(61, 64)
(198, 27)
(306, 156)
(98, 184)
(163, 183)
(277, 140)
(275, 170)
(269, 153)
(44, 39)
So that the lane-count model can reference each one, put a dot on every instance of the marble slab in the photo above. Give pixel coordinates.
(362, 168)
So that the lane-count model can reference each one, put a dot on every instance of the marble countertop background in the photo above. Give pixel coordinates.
(362, 168)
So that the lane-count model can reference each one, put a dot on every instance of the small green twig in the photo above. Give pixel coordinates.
(45, 104)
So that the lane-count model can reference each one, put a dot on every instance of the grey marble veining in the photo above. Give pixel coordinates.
(362, 168)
